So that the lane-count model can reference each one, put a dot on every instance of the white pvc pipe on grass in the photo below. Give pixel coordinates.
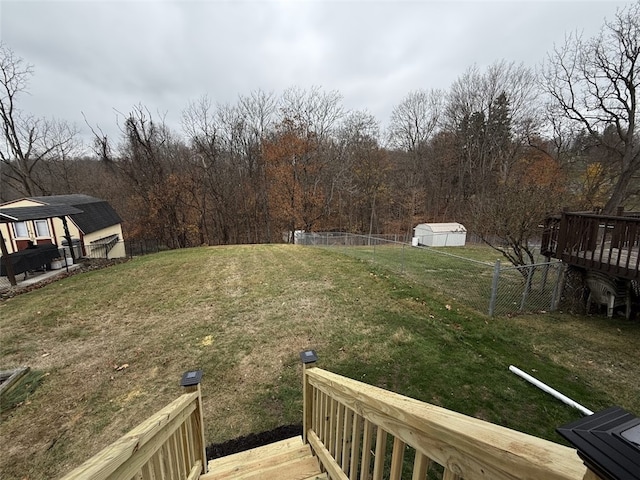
(551, 391)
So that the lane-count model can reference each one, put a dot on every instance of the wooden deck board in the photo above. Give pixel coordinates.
(288, 459)
(242, 467)
(255, 454)
(298, 469)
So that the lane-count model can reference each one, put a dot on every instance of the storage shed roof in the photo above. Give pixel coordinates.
(442, 227)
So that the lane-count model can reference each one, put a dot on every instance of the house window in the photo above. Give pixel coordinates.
(42, 228)
(20, 230)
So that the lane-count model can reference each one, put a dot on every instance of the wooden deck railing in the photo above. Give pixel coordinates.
(359, 431)
(607, 244)
(169, 445)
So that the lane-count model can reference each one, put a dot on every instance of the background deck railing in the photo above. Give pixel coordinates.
(359, 431)
(168, 445)
(608, 244)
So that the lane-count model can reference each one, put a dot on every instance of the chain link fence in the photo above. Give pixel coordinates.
(464, 276)
(530, 288)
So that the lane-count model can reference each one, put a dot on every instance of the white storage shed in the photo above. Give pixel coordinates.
(440, 235)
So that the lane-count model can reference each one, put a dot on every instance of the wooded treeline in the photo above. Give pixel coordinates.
(499, 150)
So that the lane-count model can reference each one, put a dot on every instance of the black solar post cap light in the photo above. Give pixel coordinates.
(608, 442)
(194, 377)
(308, 356)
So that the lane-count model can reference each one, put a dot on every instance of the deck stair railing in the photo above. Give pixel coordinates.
(167, 446)
(359, 431)
(356, 431)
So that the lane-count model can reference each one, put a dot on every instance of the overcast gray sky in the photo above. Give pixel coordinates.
(100, 56)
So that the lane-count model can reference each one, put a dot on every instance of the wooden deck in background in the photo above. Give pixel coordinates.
(614, 261)
(607, 244)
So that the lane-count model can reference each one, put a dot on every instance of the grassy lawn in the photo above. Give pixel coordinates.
(464, 274)
(107, 349)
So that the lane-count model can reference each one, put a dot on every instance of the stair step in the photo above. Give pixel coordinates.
(243, 466)
(320, 476)
(256, 454)
(298, 469)
(288, 459)
(306, 468)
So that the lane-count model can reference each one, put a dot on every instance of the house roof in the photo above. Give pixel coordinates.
(22, 214)
(73, 199)
(93, 213)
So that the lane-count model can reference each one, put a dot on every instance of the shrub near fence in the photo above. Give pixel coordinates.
(490, 288)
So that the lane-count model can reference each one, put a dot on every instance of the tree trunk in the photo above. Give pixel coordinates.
(620, 191)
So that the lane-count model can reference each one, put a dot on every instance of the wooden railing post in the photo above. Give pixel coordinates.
(549, 244)
(619, 227)
(191, 383)
(309, 359)
(562, 235)
(589, 475)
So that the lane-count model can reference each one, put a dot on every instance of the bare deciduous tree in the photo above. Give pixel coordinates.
(309, 121)
(26, 140)
(595, 83)
(414, 120)
(363, 169)
(477, 91)
(492, 113)
(509, 219)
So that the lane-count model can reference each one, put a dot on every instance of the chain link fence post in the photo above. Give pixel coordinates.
(545, 274)
(494, 288)
(527, 287)
(557, 291)
(374, 250)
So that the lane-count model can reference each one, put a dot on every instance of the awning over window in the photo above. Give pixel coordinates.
(37, 212)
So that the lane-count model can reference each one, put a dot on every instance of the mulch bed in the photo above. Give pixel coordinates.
(252, 440)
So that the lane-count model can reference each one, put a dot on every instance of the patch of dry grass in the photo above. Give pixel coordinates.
(242, 314)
